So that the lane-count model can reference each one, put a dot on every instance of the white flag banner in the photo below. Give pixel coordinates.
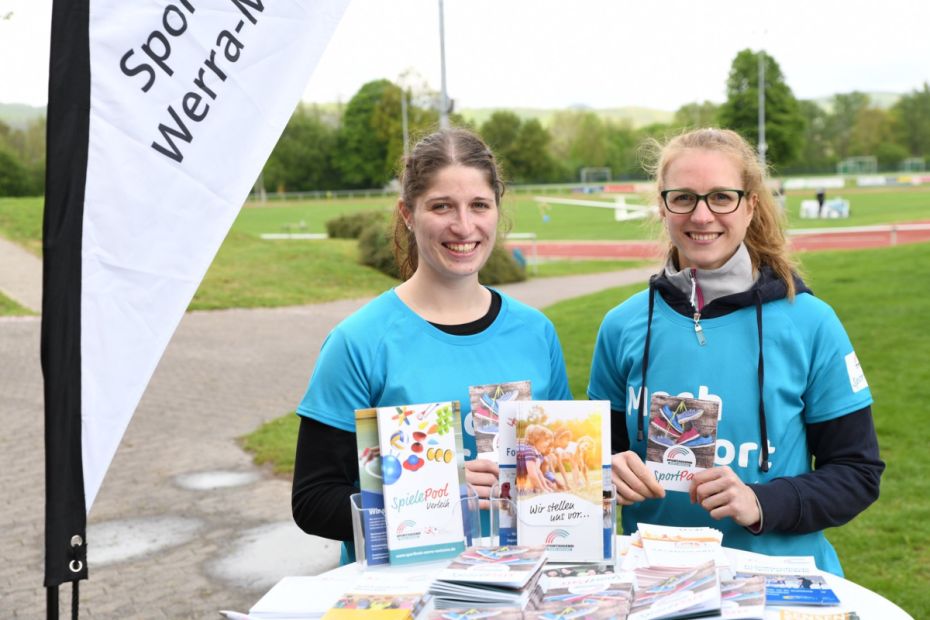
(188, 98)
(161, 115)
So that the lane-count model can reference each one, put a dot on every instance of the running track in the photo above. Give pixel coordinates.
(843, 238)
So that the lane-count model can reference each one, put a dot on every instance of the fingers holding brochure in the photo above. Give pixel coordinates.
(632, 480)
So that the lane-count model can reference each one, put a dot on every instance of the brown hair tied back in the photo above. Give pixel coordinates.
(434, 152)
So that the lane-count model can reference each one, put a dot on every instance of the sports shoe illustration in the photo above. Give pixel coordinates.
(689, 414)
(699, 441)
(671, 418)
(663, 426)
(687, 436)
(662, 440)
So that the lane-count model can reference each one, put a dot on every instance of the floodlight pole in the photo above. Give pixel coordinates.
(762, 145)
(443, 97)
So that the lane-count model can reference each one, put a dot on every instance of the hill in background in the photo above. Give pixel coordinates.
(636, 116)
(19, 115)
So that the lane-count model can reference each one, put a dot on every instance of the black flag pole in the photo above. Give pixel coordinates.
(66, 168)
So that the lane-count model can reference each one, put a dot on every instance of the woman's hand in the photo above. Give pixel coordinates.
(721, 493)
(482, 474)
(633, 480)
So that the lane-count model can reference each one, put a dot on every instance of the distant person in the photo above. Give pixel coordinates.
(429, 338)
(821, 199)
(729, 319)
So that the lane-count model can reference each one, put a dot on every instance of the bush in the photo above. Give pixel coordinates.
(376, 243)
(376, 247)
(501, 268)
(351, 225)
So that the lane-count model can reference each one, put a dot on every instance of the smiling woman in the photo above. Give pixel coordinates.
(438, 336)
(730, 321)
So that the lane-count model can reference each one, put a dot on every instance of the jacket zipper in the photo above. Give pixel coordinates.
(698, 330)
(697, 302)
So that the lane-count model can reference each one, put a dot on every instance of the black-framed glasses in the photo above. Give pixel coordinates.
(720, 201)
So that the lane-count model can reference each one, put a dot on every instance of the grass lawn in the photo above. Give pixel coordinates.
(8, 307)
(887, 548)
(21, 221)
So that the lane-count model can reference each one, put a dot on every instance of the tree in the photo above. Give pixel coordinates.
(500, 131)
(697, 115)
(522, 147)
(530, 158)
(912, 113)
(302, 159)
(846, 109)
(578, 141)
(14, 179)
(873, 134)
(370, 139)
(817, 153)
(784, 125)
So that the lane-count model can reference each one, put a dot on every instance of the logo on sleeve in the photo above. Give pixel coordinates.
(856, 377)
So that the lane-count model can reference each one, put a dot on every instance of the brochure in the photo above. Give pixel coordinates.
(381, 597)
(562, 474)
(491, 432)
(681, 546)
(488, 577)
(369, 476)
(668, 593)
(421, 461)
(682, 439)
(742, 598)
(605, 589)
(466, 613)
(789, 580)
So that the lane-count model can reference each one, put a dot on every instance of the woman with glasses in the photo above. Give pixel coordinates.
(729, 320)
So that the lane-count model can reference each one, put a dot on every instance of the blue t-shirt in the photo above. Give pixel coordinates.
(811, 375)
(385, 354)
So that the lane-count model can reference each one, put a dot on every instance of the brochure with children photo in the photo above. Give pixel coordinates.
(421, 461)
(682, 439)
(562, 471)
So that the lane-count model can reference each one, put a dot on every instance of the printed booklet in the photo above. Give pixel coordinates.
(789, 580)
(489, 576)
(421, 469)
(682, 439)
(562, 455)
(381, 597)
(371, 496)
(676, 593)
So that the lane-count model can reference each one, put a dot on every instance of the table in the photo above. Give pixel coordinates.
(294, 594)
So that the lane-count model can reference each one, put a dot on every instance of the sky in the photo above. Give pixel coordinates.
(558, 53)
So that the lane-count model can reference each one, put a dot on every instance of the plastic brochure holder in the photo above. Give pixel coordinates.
(368, 526)
(505, 521)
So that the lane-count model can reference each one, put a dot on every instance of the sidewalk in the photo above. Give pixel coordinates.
(20, 275)
(184, 524)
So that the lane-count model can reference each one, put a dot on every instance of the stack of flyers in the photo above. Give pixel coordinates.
(562, 458)
(675, 593)
(579, 612)
(682, 439)
(489, 577)
(381, 597)
(489, 613)
(422, 470)
(742, 598)
(603, 589)
(681, 546)
(789, 580)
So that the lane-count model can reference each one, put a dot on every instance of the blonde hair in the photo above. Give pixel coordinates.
(535, 433)
(765, 237)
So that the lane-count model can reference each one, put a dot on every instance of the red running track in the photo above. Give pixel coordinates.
(801, 240)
